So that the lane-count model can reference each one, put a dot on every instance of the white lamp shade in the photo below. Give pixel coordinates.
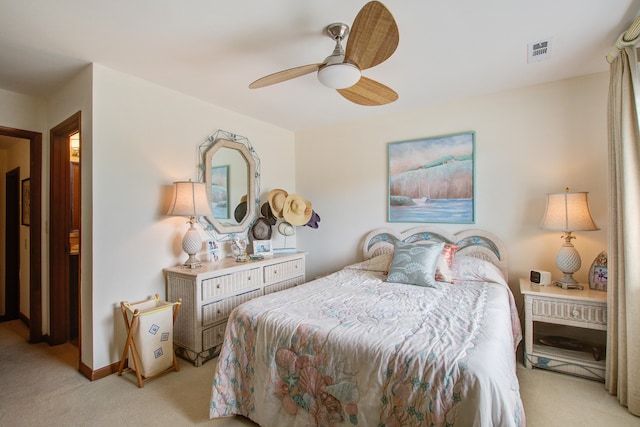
(339, 76)
(568, 212)
(190, 199)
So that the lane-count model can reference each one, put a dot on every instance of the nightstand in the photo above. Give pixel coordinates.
(578, 316)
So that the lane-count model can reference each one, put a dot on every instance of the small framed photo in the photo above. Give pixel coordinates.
(598, 272)
(262, 247)
(213, 250)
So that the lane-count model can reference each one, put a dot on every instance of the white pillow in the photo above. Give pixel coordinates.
(379, 263)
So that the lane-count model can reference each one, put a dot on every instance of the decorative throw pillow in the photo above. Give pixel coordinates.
(414, 264)
(445, 262)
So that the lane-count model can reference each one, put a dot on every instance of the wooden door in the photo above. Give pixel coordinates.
(61, 306)
(12, 245)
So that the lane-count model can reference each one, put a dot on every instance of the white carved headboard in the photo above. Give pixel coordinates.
(476, 243)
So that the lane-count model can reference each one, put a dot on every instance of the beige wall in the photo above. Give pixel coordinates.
(529, 142)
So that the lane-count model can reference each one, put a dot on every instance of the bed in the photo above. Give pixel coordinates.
(355, 348)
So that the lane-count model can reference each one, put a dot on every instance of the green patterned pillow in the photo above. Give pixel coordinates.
(414, 264)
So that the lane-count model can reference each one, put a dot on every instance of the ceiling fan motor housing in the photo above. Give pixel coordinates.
(339, 75)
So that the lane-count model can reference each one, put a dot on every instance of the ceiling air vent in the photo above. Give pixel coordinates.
(539, 51)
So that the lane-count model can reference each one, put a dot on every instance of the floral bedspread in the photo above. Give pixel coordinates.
(350, 349)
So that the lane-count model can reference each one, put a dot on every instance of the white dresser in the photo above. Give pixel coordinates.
(210, 293)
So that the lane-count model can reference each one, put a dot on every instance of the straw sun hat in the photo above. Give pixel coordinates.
(276, 199)
(297, 210)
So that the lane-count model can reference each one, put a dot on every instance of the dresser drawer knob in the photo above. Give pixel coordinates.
(575, 312)
(218, 286)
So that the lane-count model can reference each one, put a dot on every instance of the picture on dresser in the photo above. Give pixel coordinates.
(432, 179)
(262, 247)
(598, 272)
(213, 250)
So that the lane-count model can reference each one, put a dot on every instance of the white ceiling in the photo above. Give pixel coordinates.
(213, 49)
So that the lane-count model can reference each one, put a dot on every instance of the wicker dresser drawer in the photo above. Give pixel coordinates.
(213, 336)
(594, 314)
(285, 284)
(230, 283)
(283, 270)
(216, 311)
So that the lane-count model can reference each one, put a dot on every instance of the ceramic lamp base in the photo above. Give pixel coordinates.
(192, 244)
(568, 261)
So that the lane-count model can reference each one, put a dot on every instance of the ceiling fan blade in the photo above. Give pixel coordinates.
(369, 92)
(373, 38)
(284, 75)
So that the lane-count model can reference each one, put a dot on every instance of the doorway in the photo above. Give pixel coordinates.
(34, 318)
(65, 233)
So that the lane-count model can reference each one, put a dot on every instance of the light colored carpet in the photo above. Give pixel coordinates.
(40, 386)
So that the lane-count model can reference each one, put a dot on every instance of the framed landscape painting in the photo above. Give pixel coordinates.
(432, 179)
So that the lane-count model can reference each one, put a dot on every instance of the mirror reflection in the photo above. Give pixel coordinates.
(229, 183)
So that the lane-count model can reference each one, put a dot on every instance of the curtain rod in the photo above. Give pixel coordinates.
(627, 38)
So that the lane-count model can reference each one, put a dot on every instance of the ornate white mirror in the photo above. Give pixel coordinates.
(230, 168)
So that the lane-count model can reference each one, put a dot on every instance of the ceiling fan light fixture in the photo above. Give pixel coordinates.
(339, 76)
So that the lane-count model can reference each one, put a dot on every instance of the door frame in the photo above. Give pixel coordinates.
(35, 234)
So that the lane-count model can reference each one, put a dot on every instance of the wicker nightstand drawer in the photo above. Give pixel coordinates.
(595, 314)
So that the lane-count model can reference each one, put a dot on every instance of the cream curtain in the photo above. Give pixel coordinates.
(623, 337)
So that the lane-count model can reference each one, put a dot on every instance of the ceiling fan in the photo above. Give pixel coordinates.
(373, 39)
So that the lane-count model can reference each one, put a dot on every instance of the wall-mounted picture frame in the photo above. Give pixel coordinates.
(432, 179)
(26, 202)
(262, 247)
(220, 191)
(598, 272)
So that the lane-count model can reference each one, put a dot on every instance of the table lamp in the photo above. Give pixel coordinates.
(568, 212)
(190, 200)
